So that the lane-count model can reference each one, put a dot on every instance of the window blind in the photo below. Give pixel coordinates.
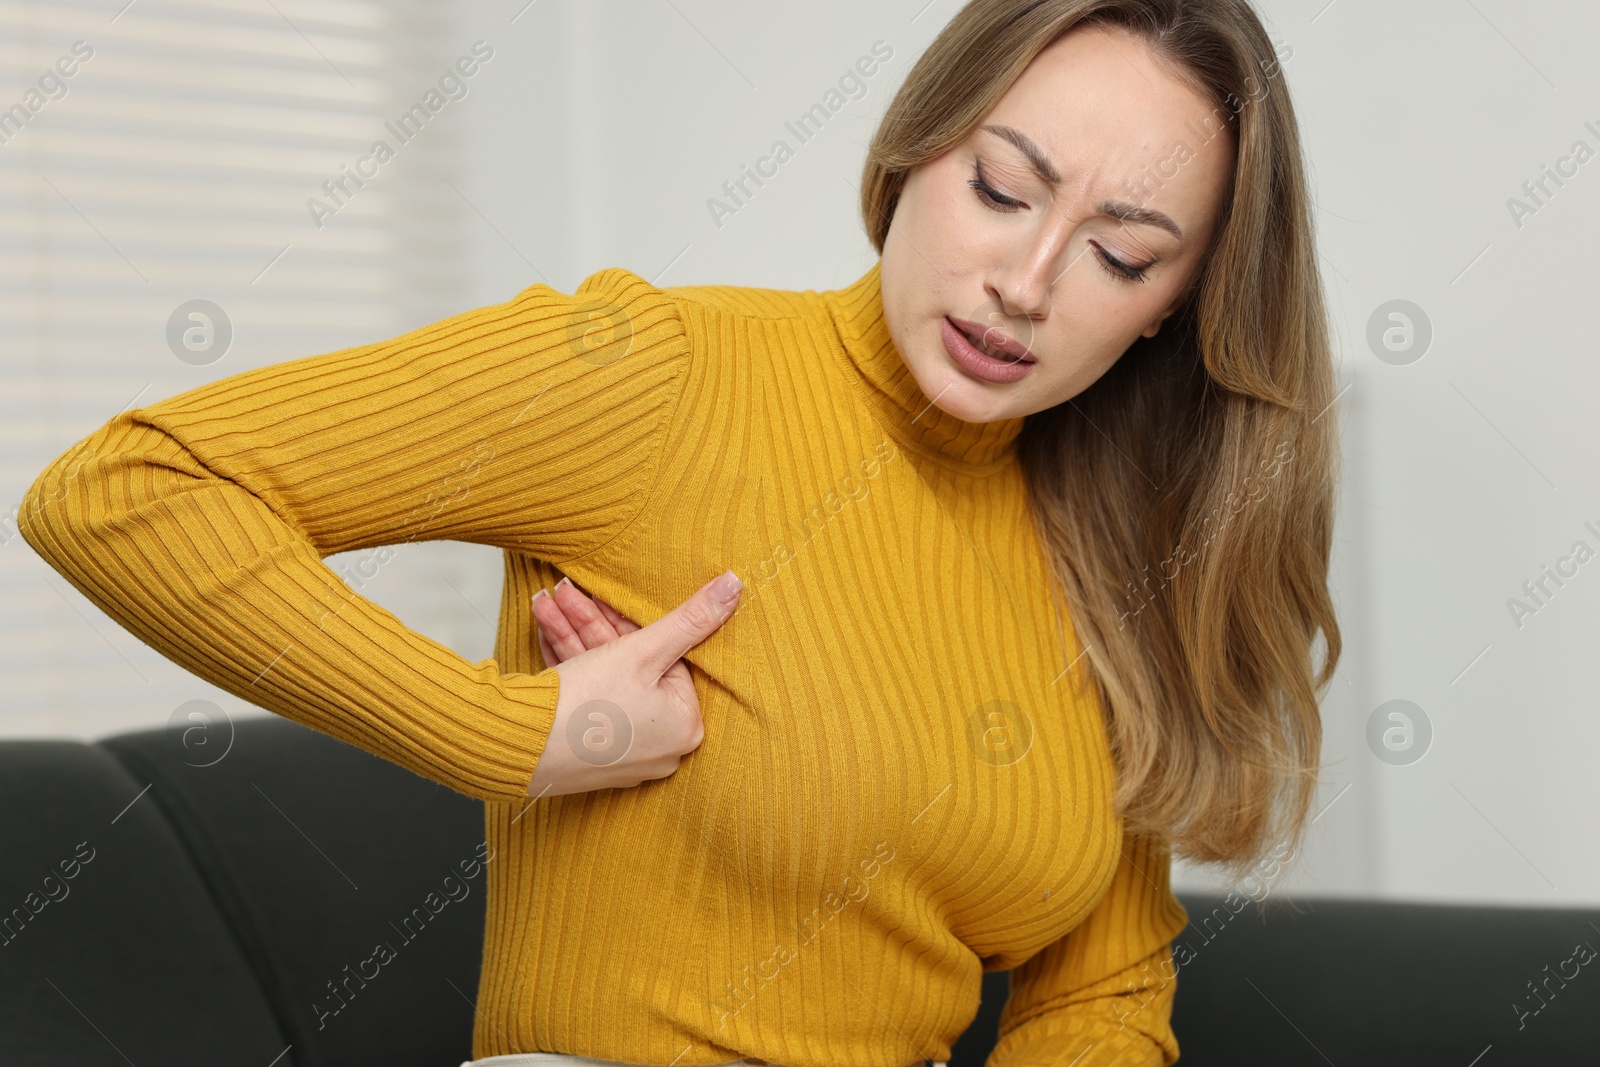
(159, 164)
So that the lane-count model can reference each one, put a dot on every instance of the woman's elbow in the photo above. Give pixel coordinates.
(54, 512)
(77, 499)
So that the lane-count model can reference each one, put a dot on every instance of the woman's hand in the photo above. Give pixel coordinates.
(627, 711)
(570, 622)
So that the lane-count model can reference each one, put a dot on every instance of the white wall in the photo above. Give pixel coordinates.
(1472, 466)
(598, 132)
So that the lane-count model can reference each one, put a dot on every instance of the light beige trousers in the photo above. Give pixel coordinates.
(561, 1059)
(544, 1059)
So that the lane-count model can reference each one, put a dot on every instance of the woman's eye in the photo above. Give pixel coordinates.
(997, 200)
(990, 195)
(1118, 269)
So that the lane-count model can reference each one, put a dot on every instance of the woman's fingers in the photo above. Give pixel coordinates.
(622, 623)
(555, 632)
(643, 672)
(570, 621)
(592, 627)
(545, 650)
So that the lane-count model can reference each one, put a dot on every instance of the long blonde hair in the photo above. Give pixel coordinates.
(1185, 500)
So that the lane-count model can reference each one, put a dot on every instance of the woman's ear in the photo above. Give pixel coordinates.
(1154, 327)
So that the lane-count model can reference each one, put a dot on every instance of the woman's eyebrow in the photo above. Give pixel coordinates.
(1035, 155)
(1121, 209)
(1046, 170)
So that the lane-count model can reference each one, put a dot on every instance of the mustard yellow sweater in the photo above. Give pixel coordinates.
(896, 791)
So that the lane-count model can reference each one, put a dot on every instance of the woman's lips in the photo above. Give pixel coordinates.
(985, 338)
(976, 361)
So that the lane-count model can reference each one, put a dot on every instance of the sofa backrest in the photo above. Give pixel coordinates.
(279, 897)
(296, 901)
(1366, 982)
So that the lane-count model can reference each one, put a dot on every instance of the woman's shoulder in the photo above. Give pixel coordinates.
(747, 301)
(624, 286)
(711, 317)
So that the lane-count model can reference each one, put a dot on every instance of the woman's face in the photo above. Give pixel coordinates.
(1135, 171)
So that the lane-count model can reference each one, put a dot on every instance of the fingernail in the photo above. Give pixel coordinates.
(726, 587)
(540, 593)
(563, 581)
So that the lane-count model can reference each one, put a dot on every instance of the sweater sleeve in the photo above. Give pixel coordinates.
(200, 522)
(1102, 995)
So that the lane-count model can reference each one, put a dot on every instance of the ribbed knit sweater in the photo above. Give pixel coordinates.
(896, 790)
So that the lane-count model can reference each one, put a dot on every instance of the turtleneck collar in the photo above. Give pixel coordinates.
(892, 390)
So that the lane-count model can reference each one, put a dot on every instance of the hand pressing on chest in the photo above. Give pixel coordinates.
(627, 712)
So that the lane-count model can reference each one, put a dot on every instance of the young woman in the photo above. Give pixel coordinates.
(1032, 521)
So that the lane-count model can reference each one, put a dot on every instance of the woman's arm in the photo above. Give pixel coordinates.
(1102, 995)
(200, 523)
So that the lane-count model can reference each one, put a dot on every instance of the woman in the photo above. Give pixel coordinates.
(1032, 522)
